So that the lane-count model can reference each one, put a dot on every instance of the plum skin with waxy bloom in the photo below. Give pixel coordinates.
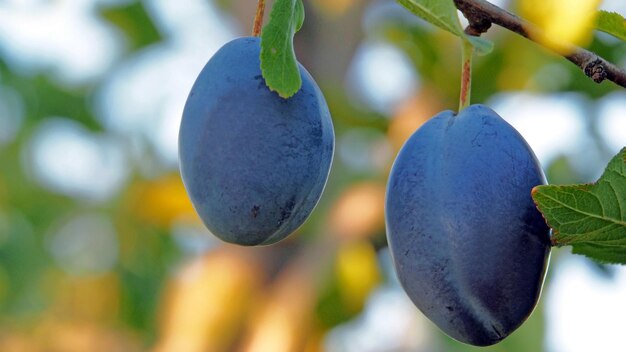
(254, 164)
(468, 244)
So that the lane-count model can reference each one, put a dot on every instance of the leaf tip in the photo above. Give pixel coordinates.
(285, 95)
(536, 190)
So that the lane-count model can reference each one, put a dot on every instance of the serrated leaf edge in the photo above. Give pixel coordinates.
(610, 13)
(555, 239)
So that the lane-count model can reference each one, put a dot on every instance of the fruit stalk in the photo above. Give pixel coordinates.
(258, 19)
(466, 75)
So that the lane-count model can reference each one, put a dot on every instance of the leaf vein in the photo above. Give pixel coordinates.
(591, 215)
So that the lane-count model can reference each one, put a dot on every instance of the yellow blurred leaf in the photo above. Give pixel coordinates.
(282, 321)
(358, 272)
(162, 201)
(334, 7)
(93, 298)
(411, 114)
(315, 342)
(17, 341)
(562, 22)
(520, 65)
(360, 211)
(207, 302)
(61, 334)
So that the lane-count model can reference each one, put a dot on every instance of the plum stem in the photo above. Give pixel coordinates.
(466, 75)
(481, 14)
(258, 19)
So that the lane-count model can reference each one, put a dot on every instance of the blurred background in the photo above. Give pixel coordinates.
(100, 249)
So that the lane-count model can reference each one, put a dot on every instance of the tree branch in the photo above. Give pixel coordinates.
(481, 14)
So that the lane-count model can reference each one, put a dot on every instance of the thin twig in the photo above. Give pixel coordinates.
(481, 14)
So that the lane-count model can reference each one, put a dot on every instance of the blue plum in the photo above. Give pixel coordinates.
(254, 164)
(468, 244)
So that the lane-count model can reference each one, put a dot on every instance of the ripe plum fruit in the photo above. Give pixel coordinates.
(254, 164)
(469, 246)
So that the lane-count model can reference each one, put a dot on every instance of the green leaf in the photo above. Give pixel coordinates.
(278, 59)
(299, 15)
(482, 45)
(443, 14)
(135, 22)
(589, 217)
(612, 23)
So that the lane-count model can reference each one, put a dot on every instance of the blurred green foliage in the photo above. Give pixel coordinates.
(134, 22)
